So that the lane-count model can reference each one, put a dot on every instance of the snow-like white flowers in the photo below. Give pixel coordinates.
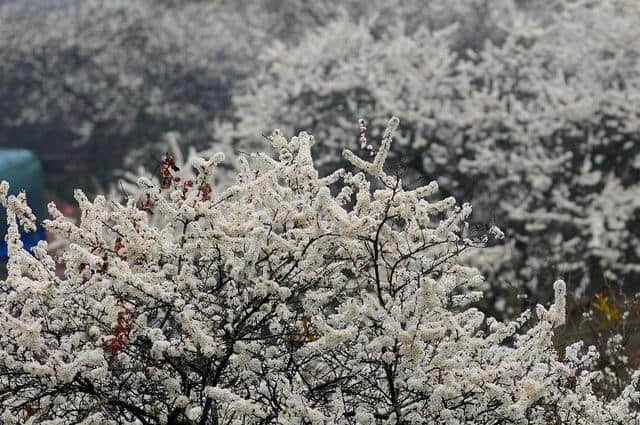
(375, 167)
(194, 412)
(4, 191)
(205, 167)
(279, 301)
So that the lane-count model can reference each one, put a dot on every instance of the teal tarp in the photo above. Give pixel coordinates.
(23, 171)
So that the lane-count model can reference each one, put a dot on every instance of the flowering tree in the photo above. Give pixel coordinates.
(287, 298)
(113, 77)
(537, 125)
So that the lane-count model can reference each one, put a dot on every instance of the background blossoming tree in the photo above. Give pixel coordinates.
(534, 120)
(287, 298)
(93, 85)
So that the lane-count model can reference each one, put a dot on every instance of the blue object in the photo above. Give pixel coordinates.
(23, 171)
(29, 240)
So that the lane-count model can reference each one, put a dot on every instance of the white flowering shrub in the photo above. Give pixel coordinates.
(537, 124)
(563, 165)
(287, 298)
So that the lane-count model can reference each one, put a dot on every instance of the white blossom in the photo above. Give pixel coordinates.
(274, 302)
